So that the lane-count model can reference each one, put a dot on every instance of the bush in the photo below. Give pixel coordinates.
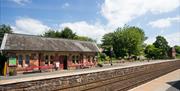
(100, 65)
(107, 58)
(101, 56)
(12, 72)
(178, 56)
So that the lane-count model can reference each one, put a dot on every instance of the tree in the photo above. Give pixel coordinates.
(177, 48)
(67, 33)
(159, 49)
(107, 40)
(83, 38)
(152, 52)
(4, 29)
(53, 34)
(128, 41)
(162, 44)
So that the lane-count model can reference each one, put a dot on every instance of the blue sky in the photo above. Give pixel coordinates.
(94, 18)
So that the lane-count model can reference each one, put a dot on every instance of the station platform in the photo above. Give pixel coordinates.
(168, 82)
(61, 73)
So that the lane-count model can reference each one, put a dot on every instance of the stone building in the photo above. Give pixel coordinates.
(172, 52)
(29, 52)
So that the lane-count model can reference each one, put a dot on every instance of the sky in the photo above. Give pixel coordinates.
(94, 18)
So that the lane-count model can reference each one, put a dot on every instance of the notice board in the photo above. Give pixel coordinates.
(12, 61)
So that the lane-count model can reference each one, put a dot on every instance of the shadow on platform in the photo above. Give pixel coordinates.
(174, 84)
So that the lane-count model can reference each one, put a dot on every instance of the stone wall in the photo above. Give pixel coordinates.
(110, 80)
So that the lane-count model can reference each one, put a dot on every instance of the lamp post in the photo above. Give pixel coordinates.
(111, 54)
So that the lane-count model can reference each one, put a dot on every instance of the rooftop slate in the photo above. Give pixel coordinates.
(24, 42)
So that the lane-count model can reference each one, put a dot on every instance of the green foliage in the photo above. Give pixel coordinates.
(128, 41)
(152, 52)
(178, 56)
(4, 29)
(83, 38)
(107, 58)
(159, 49)
(107, 40)
(162, 44)
(52, 34)
(177, 48)
(12, 72)
(101, 57)
(66, 33)
(125, 41)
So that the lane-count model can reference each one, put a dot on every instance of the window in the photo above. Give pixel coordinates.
(20, 60)
(51, 59)
(33, 56)
(75, 59)
(27, 59)
(46, 59)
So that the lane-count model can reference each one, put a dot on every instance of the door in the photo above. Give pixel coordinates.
(65, 62)
(3, 59)
(39, 60)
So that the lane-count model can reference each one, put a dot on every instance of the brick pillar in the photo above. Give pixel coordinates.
(23, 60)
(81, 58)
(69, 61)
(84, 59)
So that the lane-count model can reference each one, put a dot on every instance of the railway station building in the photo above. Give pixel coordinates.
(30, 52)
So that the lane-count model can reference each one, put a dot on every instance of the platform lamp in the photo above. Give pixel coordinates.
(111, 54)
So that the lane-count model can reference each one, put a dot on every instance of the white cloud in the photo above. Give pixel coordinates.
(82, 28)
(65, 5)
(117, 13)
(32, 26)
(21, 2)
(150, 40)
(164, 23)
(172, 39)
(120, 12)
(29, 26)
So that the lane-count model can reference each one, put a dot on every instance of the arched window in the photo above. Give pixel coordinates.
(20, 60)
(27, 59)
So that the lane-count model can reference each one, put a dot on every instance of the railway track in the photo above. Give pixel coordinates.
(124, 82)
